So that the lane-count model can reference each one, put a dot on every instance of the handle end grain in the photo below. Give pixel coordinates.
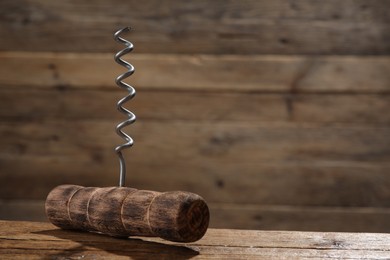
(188, 213)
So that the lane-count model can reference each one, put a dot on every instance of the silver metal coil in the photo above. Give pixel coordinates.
(130, 116)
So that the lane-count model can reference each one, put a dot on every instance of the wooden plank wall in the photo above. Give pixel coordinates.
(276, 112)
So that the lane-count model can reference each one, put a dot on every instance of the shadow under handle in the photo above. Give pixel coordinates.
(120, 211)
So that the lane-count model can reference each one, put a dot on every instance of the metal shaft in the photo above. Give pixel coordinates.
(130, 116)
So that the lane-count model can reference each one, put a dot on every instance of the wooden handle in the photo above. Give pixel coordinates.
(118, 211)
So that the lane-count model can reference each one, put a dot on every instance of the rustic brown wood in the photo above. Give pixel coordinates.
(40, 240)
(275, 103)
(278, 163)
(306, 184)
(325, 219)
(118, 211)
(261, 73)
(356, 109)
(27, 210)
(251, 216)
(213, 142)
(310, 27)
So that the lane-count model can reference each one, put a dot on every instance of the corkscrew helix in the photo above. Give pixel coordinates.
(131, 116)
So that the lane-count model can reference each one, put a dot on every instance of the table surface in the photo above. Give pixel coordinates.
(34, 240)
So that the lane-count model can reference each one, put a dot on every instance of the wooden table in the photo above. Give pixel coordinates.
(33, 240)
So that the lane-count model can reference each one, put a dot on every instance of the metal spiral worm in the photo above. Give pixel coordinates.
(131, 117)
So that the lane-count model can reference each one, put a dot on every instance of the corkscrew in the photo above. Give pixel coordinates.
(131, 117)
(121, 211)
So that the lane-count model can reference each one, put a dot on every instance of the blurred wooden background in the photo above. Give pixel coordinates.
(276, 112)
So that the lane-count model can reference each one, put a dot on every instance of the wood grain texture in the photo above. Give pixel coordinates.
(122, 212)
(283, 164)
(251, 216)
(167, 105)
(353, 184)
(325, 219)
(235, 73)
(218, 142)
(218, 27)
(41, 240)
(278, 103)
